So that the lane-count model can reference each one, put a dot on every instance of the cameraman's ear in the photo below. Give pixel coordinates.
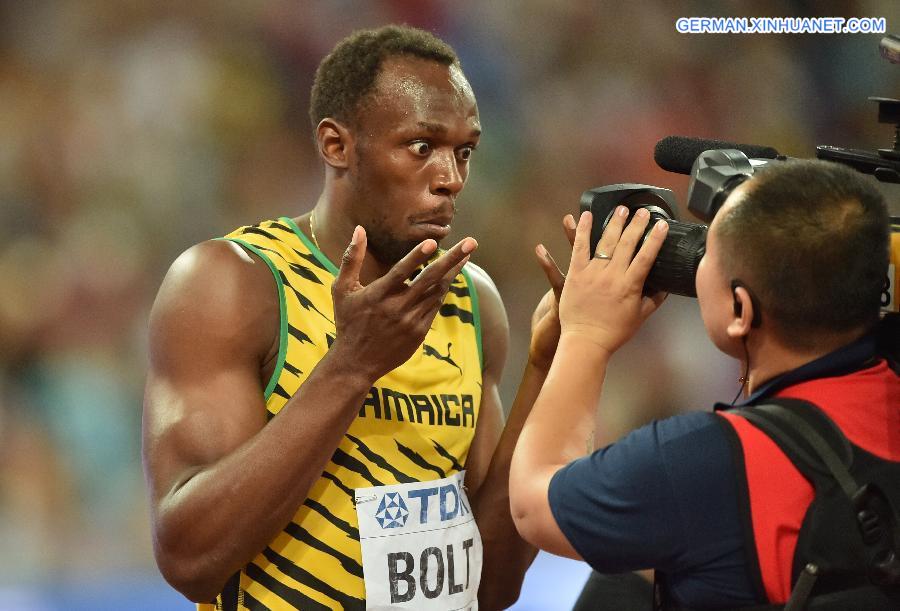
(745, 312)
(334, 141)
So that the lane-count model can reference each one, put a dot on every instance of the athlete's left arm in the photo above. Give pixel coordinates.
(506, 555)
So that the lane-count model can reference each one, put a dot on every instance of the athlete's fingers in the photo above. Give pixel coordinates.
(582, 243)
(551, 269)
(396, 277)
(569, 227)
(431, 297)
(652, 302)
(608, 243)
(643, 261)
(441, 269)
(351, 262)
(454, 271)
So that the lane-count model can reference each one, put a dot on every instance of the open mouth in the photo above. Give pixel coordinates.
(433, 228)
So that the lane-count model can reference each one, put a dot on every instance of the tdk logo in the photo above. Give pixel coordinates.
(392, 511)
(445, 503)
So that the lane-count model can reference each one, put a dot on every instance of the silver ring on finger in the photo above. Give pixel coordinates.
(602, 255)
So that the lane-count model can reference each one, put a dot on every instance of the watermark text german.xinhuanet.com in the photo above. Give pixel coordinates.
(781, 25)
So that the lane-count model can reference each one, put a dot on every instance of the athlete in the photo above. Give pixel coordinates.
(321, 417)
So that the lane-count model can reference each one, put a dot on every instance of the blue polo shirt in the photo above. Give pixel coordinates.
(666, 497)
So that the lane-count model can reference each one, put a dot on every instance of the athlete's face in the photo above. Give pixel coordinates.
(413, 145)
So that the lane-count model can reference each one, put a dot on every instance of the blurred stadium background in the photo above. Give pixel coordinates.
(131, 130)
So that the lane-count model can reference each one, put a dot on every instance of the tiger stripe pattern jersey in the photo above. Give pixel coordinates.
(416, 424)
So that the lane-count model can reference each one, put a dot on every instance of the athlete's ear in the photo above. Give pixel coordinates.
(334, 141)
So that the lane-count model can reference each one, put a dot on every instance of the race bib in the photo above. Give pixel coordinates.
(420, 546)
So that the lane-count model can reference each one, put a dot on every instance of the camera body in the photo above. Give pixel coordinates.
(714, 175)
(676, 264)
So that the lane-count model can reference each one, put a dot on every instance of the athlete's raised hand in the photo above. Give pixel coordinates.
(545, 319)
(382, 324)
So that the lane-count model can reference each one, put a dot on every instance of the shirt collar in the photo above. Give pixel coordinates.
(847, 359)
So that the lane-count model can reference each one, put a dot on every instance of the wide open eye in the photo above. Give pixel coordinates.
(420, 148)
(464, 153)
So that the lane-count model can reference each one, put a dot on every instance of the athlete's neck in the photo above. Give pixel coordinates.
(331, 232)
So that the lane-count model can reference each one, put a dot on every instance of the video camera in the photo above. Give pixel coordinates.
(716, 168)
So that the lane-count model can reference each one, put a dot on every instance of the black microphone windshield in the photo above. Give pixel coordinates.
(677, 153)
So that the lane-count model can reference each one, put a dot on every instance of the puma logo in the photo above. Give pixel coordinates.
(432, 351)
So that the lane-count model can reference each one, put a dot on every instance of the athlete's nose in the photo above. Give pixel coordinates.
(447, 179)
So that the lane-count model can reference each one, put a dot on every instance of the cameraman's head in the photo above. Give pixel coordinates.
(801, 249)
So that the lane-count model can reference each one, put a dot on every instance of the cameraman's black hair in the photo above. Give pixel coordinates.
(346, 76)
(812, 239)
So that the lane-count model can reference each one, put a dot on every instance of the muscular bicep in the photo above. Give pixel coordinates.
(191, 424)
(211, 327)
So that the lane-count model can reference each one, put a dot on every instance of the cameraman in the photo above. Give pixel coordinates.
(790, 285)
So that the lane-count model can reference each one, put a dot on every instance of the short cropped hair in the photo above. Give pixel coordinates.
(347, 75)
(811, 241)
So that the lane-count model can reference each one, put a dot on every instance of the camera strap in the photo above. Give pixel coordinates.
(820, 450)
(837, 566)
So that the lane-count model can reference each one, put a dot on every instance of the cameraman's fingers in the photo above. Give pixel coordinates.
(644, 259)
(569, 227)
(351, 262)
(608, 243)
(581, 254)
(396, 277)
(438, 270)
(551, 269)
(630, 239)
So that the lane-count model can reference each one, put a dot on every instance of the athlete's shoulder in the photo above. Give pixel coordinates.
(217, 288)
(487, 292)
(480, 277)
(216, 269)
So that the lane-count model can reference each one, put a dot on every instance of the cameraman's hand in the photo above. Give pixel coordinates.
(601, 300)
(381, 325)
(545, 319)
